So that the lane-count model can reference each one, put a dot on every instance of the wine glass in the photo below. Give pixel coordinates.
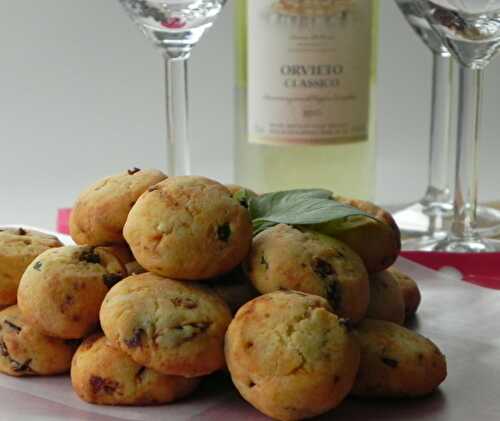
(470, 30)
(427, 220)
(428, 217)
(175, 27)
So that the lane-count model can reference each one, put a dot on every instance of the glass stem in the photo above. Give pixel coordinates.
(466, 177)
(438, 190)
(176, 86)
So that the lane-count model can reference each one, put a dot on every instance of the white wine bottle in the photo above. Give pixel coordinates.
(306, 73)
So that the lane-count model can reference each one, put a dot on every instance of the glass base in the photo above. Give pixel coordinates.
(422, 243)
(450, 245)
(422, 223)
(488, 221)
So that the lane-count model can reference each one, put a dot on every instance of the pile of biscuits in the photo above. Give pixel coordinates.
(167, 285)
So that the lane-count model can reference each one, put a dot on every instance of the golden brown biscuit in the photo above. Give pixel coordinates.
(170, 326)
(103, 375)
(289, 356)
(122, 252)
(370, 208)
(410, 291)
(234, 288)
(62, 291)
(284, 257)
(25, 351)
(396, 362)
(378, 246)
(188, 228)
(386, 298)
(134, 268)
(101, 210)
(18, 248)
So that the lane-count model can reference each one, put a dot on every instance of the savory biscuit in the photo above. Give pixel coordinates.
(409, 289)
(25, 351)
(102, 209)
(122, 252)
(284, 257)
(290, 356)
(188, 228)
(378, 245)
(370, 208)
(170, 326)
(18, 248)
(396, 362)
(62, 290)
(234, 288)
(134, 268)
(104, 375)
(386, 298)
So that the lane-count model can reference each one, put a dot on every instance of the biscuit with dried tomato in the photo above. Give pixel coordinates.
(396, 362)
(173, 327)
(284, 257)
(104, 375)
(25, 351)
(62, 290)
(409, 289)
(188, 228)
(386, 298)
(234, 288)
(18, 248)
(101, 210)
(290, 356)
(122, 252)
(134, 268)
(377, 243)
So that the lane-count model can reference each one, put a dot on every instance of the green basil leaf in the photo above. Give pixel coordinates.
(258, 227)
(266, 204)
(304, 207)
(243, 196)
(336, 226)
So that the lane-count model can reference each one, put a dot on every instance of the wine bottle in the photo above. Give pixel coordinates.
(306, 73)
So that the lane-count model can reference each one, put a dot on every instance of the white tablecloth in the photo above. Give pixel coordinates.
(462, 319)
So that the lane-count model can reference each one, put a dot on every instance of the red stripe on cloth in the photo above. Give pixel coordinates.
(63, 220)
(478, 268)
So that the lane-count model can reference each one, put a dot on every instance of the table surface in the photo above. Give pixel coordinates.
(461, 318)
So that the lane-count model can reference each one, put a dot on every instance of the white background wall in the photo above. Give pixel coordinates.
(81, 97)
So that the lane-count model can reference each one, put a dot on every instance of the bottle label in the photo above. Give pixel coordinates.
(309, 67)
